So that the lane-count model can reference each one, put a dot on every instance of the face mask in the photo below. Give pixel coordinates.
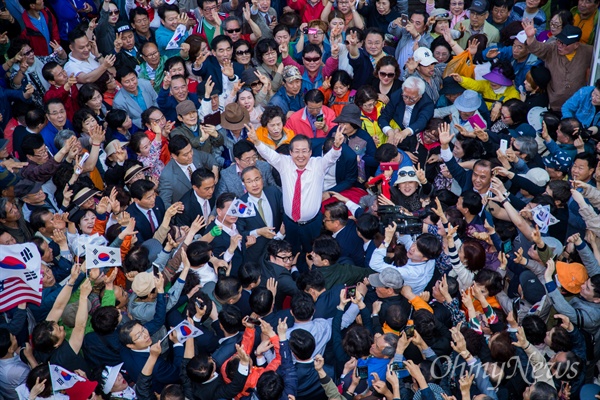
(500, 90)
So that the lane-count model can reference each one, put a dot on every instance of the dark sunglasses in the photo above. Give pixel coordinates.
(442, 16)
(28, 52)
(387, 75)
(238, 30)
(241, 52)
(410, 174)
(312, 59)
(115, 12)
(255, 84)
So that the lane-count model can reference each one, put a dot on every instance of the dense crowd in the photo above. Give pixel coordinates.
(311, 199)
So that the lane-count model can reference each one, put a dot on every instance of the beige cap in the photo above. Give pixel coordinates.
(112, 147)
(143, 283)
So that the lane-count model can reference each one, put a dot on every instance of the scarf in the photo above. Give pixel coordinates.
(372, 115)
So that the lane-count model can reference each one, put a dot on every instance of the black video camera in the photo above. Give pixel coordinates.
(405, 224)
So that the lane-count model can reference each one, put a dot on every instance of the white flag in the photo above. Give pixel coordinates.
(63, 379)
(102, 256)
(240, 209)
(543, 218)
(174, 42)
(185, 331)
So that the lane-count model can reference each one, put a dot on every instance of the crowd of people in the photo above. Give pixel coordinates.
(333, 199)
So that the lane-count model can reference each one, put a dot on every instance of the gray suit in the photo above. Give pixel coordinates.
(260, 20)
(124, 101)
(174, 183)
(231, 182)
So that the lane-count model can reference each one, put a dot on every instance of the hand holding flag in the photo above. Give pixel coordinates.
(240, 209)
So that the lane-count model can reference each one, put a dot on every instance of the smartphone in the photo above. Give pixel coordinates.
(503, 145)
(221, 271)
(476, 121)
(320, 118)
(155, 269)
(515, 311)
(384, 166)
(409, 330)
(396, 366)
(507, 247)
(199, 303)
(404, 18)
(362, 372)
(351, 292)
(400, 370)
(254, 321)
(212, 119)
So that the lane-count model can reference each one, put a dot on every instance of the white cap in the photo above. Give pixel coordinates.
(424, 56)
(109, 375)
(521, 37)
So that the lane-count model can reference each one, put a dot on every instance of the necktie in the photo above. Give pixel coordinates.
(189, 168)
(205, 210)
(296, 203)
(260, 210)
(267, 19)
(152, 226)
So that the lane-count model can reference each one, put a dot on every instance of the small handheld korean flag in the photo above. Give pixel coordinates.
(63, 379)
(174, 42)
(543, 218)
(102, 256)
(185, 331)
(240, 209)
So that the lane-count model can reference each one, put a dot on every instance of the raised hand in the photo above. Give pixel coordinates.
(118, 42)
(457, 77)
(473, 47)
(528, 27)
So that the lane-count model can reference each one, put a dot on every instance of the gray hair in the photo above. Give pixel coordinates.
(527, 146)
(392, 341)
(61, 137)
(229, 19)
(412, 82)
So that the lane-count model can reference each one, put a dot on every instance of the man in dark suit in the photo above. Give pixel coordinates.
(199, 199)
(230, 322)
(218, 63)
(175, 179)
(268, 203)
(229, 244)
(277, 264)
(244, 156)
(326, 301)
(346, 167)
(367, 227)
(411, 109)
(335, 220)
(302, 344)
(147, 209)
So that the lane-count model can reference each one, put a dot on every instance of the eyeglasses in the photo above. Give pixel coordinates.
(249, 159)
(312, 59)
(410, 174)
(114, 12)
(249, 181)
(209, 9)
(555, 25)
(141, 333)
(28, 52)
(387, 74)
(238, 30)
(285, 258)
(242, 52)
(317, 33)
(57, 112)
(408, 98)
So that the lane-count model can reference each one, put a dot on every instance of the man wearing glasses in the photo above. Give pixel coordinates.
(477, 24)
(411, 108)
(278, 264)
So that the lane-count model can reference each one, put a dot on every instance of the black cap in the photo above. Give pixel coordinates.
(479, 6)
(25, 187)
(570, 34)
(123, 26)
(450, 86)
(541, 76)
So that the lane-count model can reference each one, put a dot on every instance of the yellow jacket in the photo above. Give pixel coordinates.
(484, 88)
(263, 135)
(373, 128)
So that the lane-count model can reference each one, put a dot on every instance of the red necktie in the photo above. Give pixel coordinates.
(296, 203)
(152, 226)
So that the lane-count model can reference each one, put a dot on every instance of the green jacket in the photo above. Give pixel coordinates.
(344, 274)
(160, 71)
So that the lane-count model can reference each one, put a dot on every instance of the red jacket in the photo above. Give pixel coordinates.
(38, 41)
(69, 99)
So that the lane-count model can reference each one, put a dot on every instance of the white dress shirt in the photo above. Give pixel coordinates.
(266, 207)
(204, 205)
(145, 212)
(184, 168)
(231, 232)
(312, 179)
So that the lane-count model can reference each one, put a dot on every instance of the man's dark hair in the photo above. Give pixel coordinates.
(338, 212)
(300, 138)
(312, 48)
(178, 143)
(200, 369)
(561, 191)
(261, 301)
(357, 341)
(31, 143)
(595, 280)
(105, 320)
(173, 391)
(508, 4)
(5, 342)
(125, 332)
(139, 188)
(429, 245)
(560, 340)
(278, 246)
(198, 253)
(42, 337)
(542, 391)
(314, 96)
(375, 31)
(269, 386)
(472, 202)
(327, 248)
(230, 319)
(218, 39)
(200, 175)
(115, 118)
(249, 273)
(135, 12)
(191, 305)
(590, 158)
(368, 226)
(36, 220)
(535, 329)
(242, 147)
(75, 34)
(47, 70)
(123, 71)
(163, 8)
(51, 101)
(137, 260)
(312, 279)
(226, 288)
(202, 2)
(302, 306)
(224, 198)
(302, 344)
(35, 118)
(386, 153)
(147, 112)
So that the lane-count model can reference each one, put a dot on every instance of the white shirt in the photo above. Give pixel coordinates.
(407, 114)
(330, 180)
(312, 179)
(205, 273)
(204, 205)
(266, 207)
(76, 67)
(145, 212)
(231, 232)
(184, 168)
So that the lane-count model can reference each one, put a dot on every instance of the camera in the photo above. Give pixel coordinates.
(222, 271)
(406, 224)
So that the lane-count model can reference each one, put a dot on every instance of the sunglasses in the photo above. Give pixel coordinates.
(387, 75)
(312, 59)
(28, 52)
(114, 12)
(238, 30)
(410, 174)
(256, 84)
(241, 52)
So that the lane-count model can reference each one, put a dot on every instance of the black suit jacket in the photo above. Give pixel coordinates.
(309, 386)
(142, 224)
(220, 244)
(247, 225)
(226, 349)
(350, 244)
(192, 209)
(346, 167)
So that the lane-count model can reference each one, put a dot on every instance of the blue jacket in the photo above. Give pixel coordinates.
(211, 67)
(163, 36)
(285, 102)
(580, 106)
(49, 133)
(421, 114)
(521, 68)
(168, 104)
(67, 16)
